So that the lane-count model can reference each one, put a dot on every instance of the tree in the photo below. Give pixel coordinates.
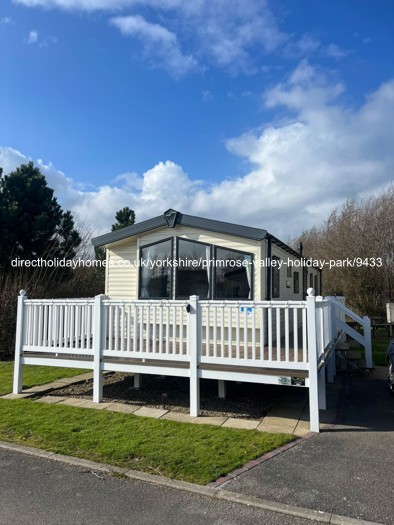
(33, 224)
(359, 240)
(124, 217)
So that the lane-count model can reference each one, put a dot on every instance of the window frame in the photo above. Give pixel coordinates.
(170, 269)
(251, 255)
(175, 269)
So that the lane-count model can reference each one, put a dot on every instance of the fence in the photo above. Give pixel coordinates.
(275, 342)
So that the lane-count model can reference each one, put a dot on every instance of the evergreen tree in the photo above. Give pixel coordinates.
(33, 224)
(124, 217)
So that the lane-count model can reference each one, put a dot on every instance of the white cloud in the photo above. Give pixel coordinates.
(298, 169)
(214, 32)
(336, 52)
(305, 46)
(33, 37)
(161, 46)
(6, 20)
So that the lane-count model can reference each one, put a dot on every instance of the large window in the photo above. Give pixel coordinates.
(197, 269)
(155, 272)
(193, 270)
(233, 274)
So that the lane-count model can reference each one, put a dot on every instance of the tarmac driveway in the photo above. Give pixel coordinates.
(347, 469)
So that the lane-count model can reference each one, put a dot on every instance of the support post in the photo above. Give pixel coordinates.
(322, 388)
(312, 358)
(368, 342)
(18, 366)
(97, 346)
(194, 344)
(137, 381)
(222, 389)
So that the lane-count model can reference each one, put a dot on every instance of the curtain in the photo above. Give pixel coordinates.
(249, 274)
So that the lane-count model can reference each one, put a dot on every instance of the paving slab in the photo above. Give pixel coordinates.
(150, 412)
(44, 388)
(209, 420)
(248, 424)
(302, 428)
(73, 401)
(280, 421)
(18, 396)
(96, 406)
(123, 407)
(277, 429)
(179, 416)
(49, 399)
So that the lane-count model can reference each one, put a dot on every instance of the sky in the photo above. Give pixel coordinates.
(268, 113)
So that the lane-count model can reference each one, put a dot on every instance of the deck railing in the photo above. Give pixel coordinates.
(145, 329)
(341, 327)
(266, 333)
(287, 342)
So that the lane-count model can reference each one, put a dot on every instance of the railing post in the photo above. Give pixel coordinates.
(320, 354)
(194, 344)
(368, 342)
(97, 346)
(19, 338)
(312, 358)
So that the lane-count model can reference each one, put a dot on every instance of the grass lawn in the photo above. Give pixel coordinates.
(185, 451)
(33, 375)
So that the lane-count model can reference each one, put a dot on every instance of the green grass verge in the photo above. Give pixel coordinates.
(379, 351)
(33, 375)
(184, 451)
(379, 347)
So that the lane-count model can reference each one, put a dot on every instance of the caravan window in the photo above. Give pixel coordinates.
(193, 273)
(233, 274)
(155, 272)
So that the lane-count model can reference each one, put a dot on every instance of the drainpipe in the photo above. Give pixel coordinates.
(269, 270)
(303, 272)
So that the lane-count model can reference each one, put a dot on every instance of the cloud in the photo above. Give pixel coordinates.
(214, 32)
(6, 20)
(33, 37)
(336, 52)
(161, 46)
(296, 169)
(305, 46)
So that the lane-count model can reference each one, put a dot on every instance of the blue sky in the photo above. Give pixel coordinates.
(268, 113)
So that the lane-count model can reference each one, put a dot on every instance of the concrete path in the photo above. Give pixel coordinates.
(348, 469)
(290, 415)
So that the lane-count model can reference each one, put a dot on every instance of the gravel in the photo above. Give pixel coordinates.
(244, 400)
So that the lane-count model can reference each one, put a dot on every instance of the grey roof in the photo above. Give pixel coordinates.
(237, 230)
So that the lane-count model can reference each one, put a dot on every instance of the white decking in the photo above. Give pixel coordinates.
(274, 342)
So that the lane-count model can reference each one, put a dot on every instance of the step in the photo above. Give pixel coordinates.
(353, 355)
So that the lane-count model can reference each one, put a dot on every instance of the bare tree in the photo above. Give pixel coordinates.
(359, 239)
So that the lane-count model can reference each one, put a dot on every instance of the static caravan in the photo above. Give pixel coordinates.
(174, 256)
